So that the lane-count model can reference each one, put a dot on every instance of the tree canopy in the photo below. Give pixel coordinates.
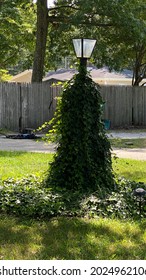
(16, 34)
(39, 35)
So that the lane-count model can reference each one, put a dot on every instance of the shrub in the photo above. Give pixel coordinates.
(83, 158)
(28, 198)
(121, 203)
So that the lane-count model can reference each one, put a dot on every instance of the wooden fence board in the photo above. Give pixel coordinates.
(139, 106)
(117, 105)
(9, 106)
(30, 105)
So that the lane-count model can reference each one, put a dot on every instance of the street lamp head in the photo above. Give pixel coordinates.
(139, 192)
(83, 47)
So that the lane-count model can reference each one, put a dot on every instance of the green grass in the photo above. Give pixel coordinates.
(21, 164)
(129, 168)
(134, 170)
(128, 143)
(68, 238)
(74, 239)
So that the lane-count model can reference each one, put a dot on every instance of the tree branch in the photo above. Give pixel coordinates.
(62, 7)
(2, 65)
(62, 19)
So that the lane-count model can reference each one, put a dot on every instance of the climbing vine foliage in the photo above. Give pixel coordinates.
(83, 158)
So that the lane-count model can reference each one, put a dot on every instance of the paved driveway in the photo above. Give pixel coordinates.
(7, 144)
(26, 145)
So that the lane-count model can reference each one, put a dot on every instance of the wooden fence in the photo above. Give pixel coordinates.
(30, 105)
(125, 105)
(26, 105)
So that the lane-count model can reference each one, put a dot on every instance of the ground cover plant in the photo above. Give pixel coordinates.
(29, 198)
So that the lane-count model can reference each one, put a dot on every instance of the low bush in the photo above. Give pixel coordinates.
(27, 197)
(121, 203)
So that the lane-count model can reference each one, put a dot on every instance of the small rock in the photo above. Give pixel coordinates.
(129, 143)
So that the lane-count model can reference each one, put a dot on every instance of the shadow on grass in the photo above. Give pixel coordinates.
(71, 238)
(15, 239)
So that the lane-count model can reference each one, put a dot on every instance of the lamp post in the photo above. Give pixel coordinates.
(139, 193)
(83, 49)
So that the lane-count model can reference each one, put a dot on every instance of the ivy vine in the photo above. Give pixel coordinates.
(83, 157)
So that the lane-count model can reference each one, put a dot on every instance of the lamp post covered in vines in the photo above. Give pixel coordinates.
(83, 158)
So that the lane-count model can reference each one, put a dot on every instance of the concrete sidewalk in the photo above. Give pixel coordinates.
(126, 134)
(138, 154)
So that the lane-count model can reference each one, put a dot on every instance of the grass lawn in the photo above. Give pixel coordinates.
(21, 164)
(128, 143)
(131, 169)
(74, 239)
(68, 238)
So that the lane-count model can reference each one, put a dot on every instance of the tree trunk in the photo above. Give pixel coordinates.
(139, 70)
(41, 38)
